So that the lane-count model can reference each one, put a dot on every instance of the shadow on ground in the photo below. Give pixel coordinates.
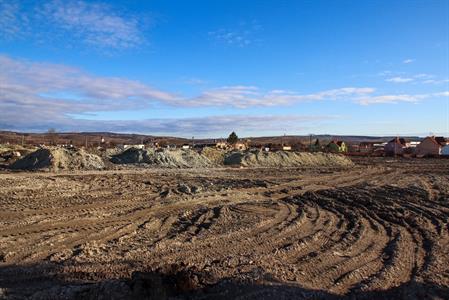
(47, 281)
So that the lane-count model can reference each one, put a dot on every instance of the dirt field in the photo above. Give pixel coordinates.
(377, 230)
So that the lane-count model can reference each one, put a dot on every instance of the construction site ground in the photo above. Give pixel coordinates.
(376, 230)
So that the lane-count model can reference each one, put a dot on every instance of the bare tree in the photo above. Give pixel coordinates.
(52, 136)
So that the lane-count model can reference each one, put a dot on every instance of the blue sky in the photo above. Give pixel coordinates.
(205, 68)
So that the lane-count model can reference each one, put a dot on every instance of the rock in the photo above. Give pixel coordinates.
(185, 189)
(196, 189)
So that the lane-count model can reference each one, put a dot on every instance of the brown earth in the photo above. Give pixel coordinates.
(377, 230)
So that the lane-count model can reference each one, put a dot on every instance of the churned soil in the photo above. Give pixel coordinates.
(376, 230)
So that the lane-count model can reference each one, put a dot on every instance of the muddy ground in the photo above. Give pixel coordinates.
(377, 230)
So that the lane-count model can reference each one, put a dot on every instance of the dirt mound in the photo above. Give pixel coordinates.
(163, 158)
(216, 156)
(286, 159)
(56, 158)
(11, 153)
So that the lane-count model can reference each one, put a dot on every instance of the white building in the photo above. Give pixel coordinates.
(445, 150)
(413, 144)
(137, 146)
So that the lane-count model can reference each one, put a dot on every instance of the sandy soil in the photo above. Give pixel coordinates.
(377, 230)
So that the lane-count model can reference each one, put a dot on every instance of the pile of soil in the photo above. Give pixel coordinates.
(216, 156)
(286, 159)
(11, 153)
(165, 158)
(58, 158)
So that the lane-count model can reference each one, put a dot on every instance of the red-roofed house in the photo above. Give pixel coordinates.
(430, 146)
(395, 147)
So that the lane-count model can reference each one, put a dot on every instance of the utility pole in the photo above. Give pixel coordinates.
(85, 142)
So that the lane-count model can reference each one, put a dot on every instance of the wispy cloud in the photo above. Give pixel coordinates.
(442, 94)
(51, 91)
(394, 99)
(422, 78)
(95, 24)
(194, 81)
(12, 23)
(78, 22)
(52, 83)
(435, 81)
(408, 61)
(210, 125)
(39, 95)
(399, 79)
(250, 96)
(242, 35)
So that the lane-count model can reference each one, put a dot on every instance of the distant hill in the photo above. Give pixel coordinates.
(80, 138)
(290, 139)
(94, 138)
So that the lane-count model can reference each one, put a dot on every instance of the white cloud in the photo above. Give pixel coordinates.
(51, 91)
(442, 94)
(408, 61)
(95, 24)
(242, 35)
(79, 92)
(435, 81)
(72, 22)
(382, 99)
(12, 23)
(393, 99)
(210, 126)
(423, 76)
(216, 125)
(40, 95)
(194, 81)
(248, 96)
(399, 79)
(231, 37)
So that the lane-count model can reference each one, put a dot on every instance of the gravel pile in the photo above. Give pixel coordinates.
(58, 158)
(214, 155)
(286, 159)
(182, 158)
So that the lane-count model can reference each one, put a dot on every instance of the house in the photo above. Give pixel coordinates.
(186, 146)
(395, 147)
(286, 148)
(240, 146)
(430, 146)
(369, 147)
(337, 147)
(353, 148)
(222, 145)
